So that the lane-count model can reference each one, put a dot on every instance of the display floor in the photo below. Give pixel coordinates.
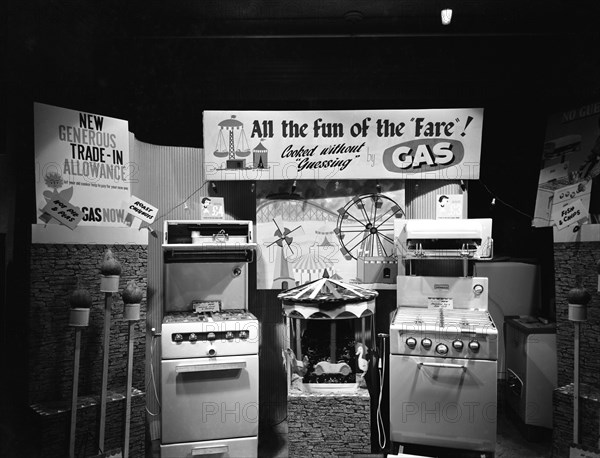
(510, 443)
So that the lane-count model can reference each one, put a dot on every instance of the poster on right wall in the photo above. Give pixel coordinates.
(568, 196)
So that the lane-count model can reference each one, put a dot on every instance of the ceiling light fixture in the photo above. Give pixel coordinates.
(446, 16)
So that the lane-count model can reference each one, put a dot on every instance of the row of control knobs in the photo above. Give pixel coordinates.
(441, 348)
(211, 336)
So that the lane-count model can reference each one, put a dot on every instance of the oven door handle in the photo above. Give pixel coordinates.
(214, 450)
(210, 367)
(445, 365)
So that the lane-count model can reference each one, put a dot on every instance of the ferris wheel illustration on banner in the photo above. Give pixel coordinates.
(365, 227)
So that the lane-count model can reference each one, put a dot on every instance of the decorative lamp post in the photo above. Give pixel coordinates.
(79, 317)
(109, 283)
(578, 298)
(132, 297)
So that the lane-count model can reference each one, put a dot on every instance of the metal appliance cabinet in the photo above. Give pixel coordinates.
(531, 371)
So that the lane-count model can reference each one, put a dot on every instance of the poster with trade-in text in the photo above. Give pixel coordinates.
(81, 166)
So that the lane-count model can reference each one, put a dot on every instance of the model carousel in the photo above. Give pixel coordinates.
(329, 331)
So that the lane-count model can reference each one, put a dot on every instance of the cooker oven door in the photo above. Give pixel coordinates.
(209, 398)
(443, 402)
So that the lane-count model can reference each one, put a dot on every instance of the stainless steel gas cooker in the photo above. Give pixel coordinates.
(443, 364)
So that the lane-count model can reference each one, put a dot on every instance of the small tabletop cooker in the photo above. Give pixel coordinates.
(221, 333)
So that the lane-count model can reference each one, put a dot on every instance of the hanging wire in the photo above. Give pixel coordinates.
(184, 201)
(496, 198)
(152, 380)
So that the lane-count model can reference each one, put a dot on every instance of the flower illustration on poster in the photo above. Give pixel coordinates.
(342, 229)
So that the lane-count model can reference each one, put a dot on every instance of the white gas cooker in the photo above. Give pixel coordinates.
(443, 364)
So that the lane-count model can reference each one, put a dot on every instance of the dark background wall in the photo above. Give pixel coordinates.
(159, 64)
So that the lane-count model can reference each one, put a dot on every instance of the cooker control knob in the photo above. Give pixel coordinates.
(411, 342)
(426, 343)
(177, 337)
(229, 335)
(193, 337)
(243, 334)
(442, 349)
(458, 345)
(474, 346)
(211, 336)
(478, 289)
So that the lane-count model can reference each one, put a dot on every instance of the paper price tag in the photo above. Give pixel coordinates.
(206, 306)
(63, 212)
(440, 303)
(570, 214)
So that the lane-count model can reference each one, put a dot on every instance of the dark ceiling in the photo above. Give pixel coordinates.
(160, 63)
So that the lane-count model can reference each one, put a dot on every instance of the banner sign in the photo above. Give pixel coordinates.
(82, 159)
(358, 144)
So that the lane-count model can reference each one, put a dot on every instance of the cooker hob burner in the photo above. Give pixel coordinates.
(442, 318)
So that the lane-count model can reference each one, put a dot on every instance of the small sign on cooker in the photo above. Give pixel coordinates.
(206, 306)
(440, 303)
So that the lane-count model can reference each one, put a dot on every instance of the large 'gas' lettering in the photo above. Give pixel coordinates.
(439, 154)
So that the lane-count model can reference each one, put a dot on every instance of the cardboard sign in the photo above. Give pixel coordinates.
(200, 306)
(63, 212)
(440, 303)
(142, 210)
(213, 208)
(449, 206)
(570, 214)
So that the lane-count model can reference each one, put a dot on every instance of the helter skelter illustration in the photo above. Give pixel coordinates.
(232, 144)
(365, 230)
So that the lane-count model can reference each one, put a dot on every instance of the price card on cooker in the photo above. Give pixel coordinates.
(440, 303)
(63, 212)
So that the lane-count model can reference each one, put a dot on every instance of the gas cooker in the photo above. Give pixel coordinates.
(198, 335)
(455, 333)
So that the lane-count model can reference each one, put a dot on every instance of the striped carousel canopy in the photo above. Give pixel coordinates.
(329, 299)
